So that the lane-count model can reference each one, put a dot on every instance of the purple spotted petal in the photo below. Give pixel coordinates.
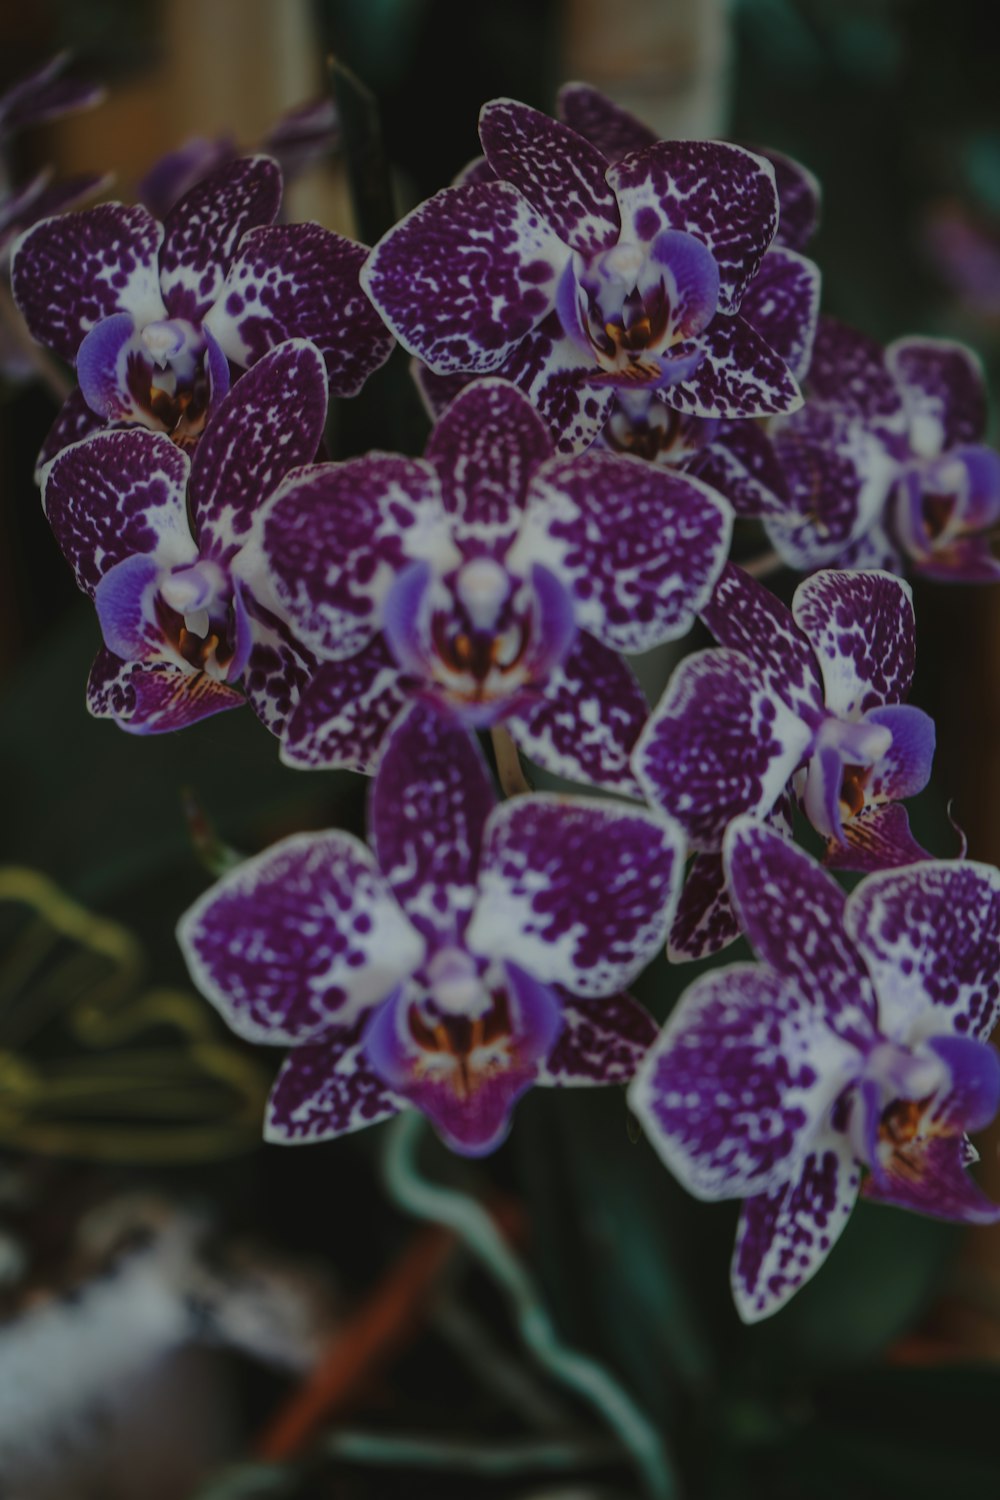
(202, 232)
(785, 1236)
(115, 371)
(792, 912)
(332, 539)
(176, 172)
(559, 172)
(429, 804)
(344, 710)
(848, 369)
(75, 421)
(468, 1091)
(839, 473)
(719, 743)
(943, 391)
(740, 1080)
(638, 547)
(70, 272)
(581, 891)
(740, 462)
(271, 422)
(276, 673)
(599, 120)
(930, 936)
(745, 616)
(782, 305)
(738, 375)
(437, 392)
(302, 937)
(154, 699)
(722, 194)
(465, 276)
(326, 1089)
(301, 281)
(602, 1042)
(798, 200)
(485, 448)
(879, 838)
(934, 1181)
(555, 375)
(706, 921)
(862, 629)
(586, 724)
(114, 495)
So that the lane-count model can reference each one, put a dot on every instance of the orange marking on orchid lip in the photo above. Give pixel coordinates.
(852, 789)
(937, 511)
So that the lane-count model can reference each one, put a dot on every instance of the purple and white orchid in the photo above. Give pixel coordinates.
(579, 280)
(812, 696)
(859, 1042)
(479, 949)
(885, 466)
(152, 314)
(156, 538)
(493, 578)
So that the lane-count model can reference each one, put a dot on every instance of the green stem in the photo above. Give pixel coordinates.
(576, 1371)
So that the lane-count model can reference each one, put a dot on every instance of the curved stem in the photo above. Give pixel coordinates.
(510, 772)
(762, 566)
(578, 1372)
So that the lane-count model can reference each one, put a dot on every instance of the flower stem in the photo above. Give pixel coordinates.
(510, 772)
(577, 1372)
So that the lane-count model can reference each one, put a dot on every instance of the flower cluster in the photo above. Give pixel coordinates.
(618, 340)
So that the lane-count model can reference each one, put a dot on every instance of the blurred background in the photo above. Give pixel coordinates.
(185, 1312)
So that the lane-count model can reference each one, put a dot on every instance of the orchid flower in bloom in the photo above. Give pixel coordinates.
(155, 539)
(491, 577)
(814, 696)
(152, 314)
(885, 466)
(579, 280)
(781, 303)
(478, 950)
(858, 1042)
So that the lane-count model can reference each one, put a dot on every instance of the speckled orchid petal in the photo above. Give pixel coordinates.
(328, 545)
(301, 281)
(943, 391)
(719, 743)
(737, 375)
(745, 616)
(74, 422)
(739, 1082)
(782, 305)
(485, 449)
(117, 494)
(849, 370)
(706, 920)
(639, 547)
(862, 629)
(557, 377)
(71, 271)
(722, 194)
(601, 1042)
(300, 938)
(271, 422)
(792, 912)
(154, 698)
(456, 296)
(276, 673)
(930, 937)
(613, 130)
(559, 172)
(326, 1089)
(798, 200)
(203, 230)
(581, 891)
(467, 1086)
(585, 724)
(344, 710)
(784, 1236)
(839, 474)
(739, 462)
(429, 804)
